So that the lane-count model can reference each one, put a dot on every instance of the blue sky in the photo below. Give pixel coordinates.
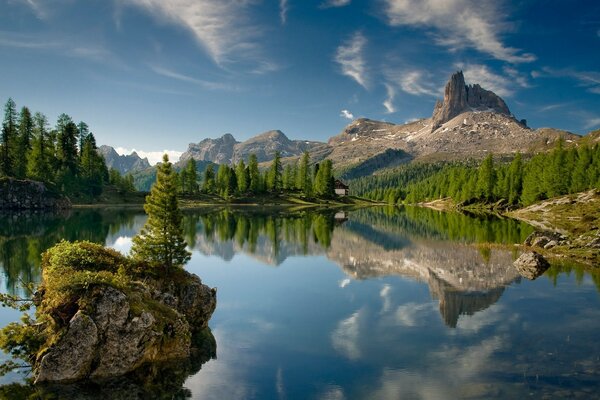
(159, 74)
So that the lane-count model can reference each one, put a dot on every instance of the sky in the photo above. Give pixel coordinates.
(156, 75)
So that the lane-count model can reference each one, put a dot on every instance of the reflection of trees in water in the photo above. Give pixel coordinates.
(25, 236)
(431, 224)
(163, 380)
(247, 228)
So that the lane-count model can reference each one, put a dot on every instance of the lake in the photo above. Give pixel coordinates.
(380, 303)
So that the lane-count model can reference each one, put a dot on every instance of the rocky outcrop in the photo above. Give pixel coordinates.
(459, 98)
(29, 195)
(219, 151)
(545, 239)
(227, 150)
(531, 265)
(108, 322)
(125, 164)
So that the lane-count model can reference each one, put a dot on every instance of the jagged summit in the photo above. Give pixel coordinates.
(459, 98)
(123, 163)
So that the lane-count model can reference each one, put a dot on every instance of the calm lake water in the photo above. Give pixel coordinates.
(368, 304)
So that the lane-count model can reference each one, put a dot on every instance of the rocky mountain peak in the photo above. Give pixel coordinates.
(123, 163)
(459, 98)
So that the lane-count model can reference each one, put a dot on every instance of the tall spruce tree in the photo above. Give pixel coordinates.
(254, 174)
(242, 177)
(161, 242)
(37, 160)
(208, 186)
(9, 133)
(23, 142)
(274, 181)
(304, 182)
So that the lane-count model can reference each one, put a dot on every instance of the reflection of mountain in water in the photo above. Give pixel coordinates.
(457, 274)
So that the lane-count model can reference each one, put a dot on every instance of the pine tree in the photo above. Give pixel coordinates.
(93, 169)
(83, 131)
(240, 172)
(255, 185)
(304, 181)
(486, 179)
(323, 186)
(274, 182)
(23, 143)
(9, 133)
(208, 186)
(161, 242)
(515, 179)
(37, 161)
(192, 177)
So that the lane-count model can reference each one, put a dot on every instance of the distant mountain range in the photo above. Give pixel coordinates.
(470, 122)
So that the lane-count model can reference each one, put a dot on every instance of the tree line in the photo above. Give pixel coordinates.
(64, 156)
(520, 182)
(243, 180)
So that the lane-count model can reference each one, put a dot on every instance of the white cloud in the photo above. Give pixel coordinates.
(345, 337)
(516, 76)
(389, 101)
(482, 75)
(37, 8)
(153, 156)
(459, 24)
(283, 10)
(181, 77)
(588, 79)
(414, 82)
(346, 114)
(351, 58)
(221, 27)
(592, 123)
(384, 293)
(344, 282)
(335, 3)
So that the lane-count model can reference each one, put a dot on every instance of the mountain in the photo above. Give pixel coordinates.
(124, 164)
(227, 150)
(470, 122)
(219, 151)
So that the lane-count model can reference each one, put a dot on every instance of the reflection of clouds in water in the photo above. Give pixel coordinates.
(332, 392)
(384, 293)
(474, 323)
(344, 283)
(413, 314)
(279, 385)
(224, 378)
(345, 336)
(122, 244)
(446, 374)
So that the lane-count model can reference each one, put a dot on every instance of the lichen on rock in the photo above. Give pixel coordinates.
(102, 315)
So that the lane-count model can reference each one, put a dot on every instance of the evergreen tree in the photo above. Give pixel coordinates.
(208, 186)
(242, 178)
(161, 242)
(92, 166)
(66, 152)
(288, 178)
(274, 181)
(23, 143)
(37, 162)
(323, 186)
(515, 179)
(83, 130)
(486, 179)
(9, 133)
(254, 174)
(304, 182)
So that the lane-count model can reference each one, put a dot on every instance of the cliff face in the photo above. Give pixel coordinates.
(219, 151)
(123, 163)
(29, 195)
(459, 98)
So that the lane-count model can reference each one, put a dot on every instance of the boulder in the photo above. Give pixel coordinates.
(545, 239)
(531, 265)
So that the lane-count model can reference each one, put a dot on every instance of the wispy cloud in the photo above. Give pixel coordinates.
(588, 79)
(350, 57)
(153, 156)
(346, 114)
(185, 78)
(459, 24)
(388, 103)
(592, 123)
(221, 27)
(482, 75)
(283, 10)
(335, 3)
(40, 11)
(415, 82)
(551, 107)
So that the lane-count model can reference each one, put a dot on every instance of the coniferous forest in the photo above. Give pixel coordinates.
(520, 182)
(64, 157)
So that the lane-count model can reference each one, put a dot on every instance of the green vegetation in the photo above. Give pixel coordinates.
(64, 158)
(518, 183)
(160, 242)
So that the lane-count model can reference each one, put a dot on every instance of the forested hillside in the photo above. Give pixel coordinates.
(518, 182)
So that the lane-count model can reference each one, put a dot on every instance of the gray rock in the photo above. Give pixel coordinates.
(531, 265)
(123, 163)
(542, 238)
(550, 244)
(71, 357)
(459, 98)
(26, 194)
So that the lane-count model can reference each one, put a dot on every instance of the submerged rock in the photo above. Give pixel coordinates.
(531, 265)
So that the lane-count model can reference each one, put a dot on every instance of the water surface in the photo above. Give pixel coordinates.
(379, 304)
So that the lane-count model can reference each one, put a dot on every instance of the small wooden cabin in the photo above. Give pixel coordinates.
(341, 189)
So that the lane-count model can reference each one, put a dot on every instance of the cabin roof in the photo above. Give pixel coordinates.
(340, 185)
